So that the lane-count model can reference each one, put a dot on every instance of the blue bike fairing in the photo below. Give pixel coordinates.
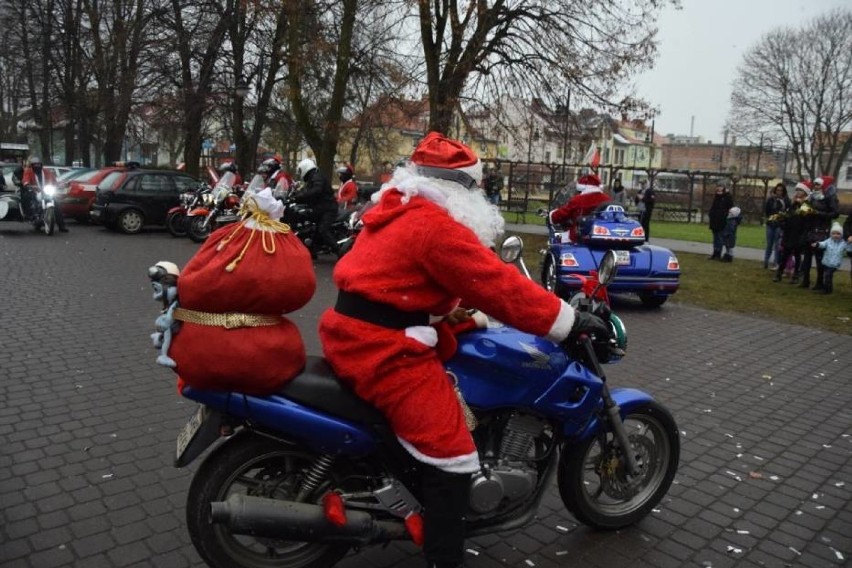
(321, 431)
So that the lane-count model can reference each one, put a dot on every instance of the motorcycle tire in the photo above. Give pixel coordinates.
(265, 468)
(196, 230)
(176, 224)
(549, 276)
(651, 300)
(598, 494)
(49, 221)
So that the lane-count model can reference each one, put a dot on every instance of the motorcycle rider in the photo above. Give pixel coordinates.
(347, 194)
(34, 175)
(589, 196)
(231, 166)
(318, 195)
(424, 250)
(276, 178)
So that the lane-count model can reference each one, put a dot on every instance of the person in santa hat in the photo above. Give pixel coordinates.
(589, 196)
(793, 223)
(424, 250)
(825, 208)
(347, 193)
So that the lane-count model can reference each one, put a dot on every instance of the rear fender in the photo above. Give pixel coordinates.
(198, 211)
(176, 209)
(627, 400)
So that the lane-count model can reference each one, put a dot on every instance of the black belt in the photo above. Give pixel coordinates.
(377, 313)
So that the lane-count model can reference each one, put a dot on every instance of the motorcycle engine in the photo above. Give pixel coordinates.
(512, 476)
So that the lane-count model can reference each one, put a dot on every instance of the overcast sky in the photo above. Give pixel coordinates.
(701, 46)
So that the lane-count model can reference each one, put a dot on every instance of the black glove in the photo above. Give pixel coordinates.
(589, 323)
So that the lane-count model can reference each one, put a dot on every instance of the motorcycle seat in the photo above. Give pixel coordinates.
(318, 388)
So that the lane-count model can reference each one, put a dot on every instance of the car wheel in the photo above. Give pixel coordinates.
(130, 221)
(650, 300)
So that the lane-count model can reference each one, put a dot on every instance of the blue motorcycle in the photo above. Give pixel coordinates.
(649, 271)
(542, 412)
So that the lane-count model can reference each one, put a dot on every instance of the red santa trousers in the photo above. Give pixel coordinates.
(402, 377)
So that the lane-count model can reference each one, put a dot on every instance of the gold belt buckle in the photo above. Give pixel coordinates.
(233, 321)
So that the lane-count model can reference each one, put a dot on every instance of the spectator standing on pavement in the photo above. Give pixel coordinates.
(792, 224)
(775, 206)
(618, 193)
(729, 234)
(822, 208)
(493, 185)
(834, 247)
(649, 197)
(718, 215)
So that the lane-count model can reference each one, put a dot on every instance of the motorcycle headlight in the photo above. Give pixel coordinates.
(49, 190)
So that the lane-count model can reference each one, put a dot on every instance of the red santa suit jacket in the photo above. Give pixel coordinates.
(577, 206)
(415, 257)
(347, 193)
(29, 177)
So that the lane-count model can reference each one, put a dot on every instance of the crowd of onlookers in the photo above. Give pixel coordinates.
(801, 233)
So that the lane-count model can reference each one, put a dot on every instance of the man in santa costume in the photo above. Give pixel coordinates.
(589, 196)
(423, 252)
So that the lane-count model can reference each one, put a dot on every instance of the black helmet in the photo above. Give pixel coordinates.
(344, 173)
(269, 166)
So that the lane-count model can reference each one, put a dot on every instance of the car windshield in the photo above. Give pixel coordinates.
(87, 176)
(110, 181)
(77, 174)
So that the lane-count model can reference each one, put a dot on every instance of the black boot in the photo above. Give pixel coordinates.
(727, 258)
(715, 256)
(445, 499)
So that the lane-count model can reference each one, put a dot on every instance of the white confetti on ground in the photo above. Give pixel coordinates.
(815, 496)
(472, 551)
(561, 553)
(774, 477)
(758, 458)
(106, 476)
(837, 553)
(736, 510)
(529, 562)
(794, 550)
(740, 531)
(734, 475)
(839, 484)
(561, 528)
(734, 549)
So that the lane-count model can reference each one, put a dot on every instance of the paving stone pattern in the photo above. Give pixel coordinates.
(88, 423)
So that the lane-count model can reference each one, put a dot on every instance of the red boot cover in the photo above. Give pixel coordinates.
(334, 509)
(253, 360)
(414, 524)
(248, 271)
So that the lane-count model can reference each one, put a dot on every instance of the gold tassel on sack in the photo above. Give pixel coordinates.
(469, 419)
(249, 210)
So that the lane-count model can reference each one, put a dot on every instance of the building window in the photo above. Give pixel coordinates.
(619, 157)
(606, 156)
(547, 157)
(849, 173)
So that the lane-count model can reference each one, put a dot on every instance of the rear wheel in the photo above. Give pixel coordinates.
(257, 466)
(650, 300)
(49, 221)
(130, 221)
(176, 224)
(593, 480)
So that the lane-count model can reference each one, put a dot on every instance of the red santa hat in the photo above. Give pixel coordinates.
(443, 158)
(589, 183)
(803, 187)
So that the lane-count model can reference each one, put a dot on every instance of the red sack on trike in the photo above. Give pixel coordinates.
(233, 294)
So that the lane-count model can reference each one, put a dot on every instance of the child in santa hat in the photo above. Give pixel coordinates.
(422, 252)
(589, 197)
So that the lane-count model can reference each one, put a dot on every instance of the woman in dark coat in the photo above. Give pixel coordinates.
(718, 215)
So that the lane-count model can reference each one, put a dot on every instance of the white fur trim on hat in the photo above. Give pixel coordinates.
(802, 187)
(563, 324)
(468, 463)
(818, 181)
(836, 228)
(584, 189)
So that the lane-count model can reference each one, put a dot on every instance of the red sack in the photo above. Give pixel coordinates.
(253, 360)
(232, 294)
(270, 273)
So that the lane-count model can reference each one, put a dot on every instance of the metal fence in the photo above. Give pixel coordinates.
(681, 195)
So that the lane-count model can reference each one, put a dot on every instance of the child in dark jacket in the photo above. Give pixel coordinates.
(729, 233)
(793, 234)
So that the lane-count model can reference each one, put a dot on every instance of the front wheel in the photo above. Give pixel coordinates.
(593, 480)
(49, 221)
(197, 230)
(257, 466)
(176, 224)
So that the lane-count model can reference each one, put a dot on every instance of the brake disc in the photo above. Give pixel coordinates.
(615, 481)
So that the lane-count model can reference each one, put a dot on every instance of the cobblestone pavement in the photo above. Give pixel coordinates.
(88, 425)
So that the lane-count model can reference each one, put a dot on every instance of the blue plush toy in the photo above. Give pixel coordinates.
(164, 276)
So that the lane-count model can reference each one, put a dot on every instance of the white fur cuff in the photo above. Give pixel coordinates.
(563, 324)
(458, 464)
(425, 334)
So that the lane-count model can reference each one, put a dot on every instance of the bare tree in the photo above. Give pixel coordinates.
(592, 46)
(795, 86)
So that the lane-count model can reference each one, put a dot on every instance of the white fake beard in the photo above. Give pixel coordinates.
(469, 207)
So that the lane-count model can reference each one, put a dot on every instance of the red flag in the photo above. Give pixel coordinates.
(593, 156)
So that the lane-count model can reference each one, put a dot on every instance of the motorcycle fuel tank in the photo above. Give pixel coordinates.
(501, 367)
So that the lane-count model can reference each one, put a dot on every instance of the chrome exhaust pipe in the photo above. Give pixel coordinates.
(304, 522)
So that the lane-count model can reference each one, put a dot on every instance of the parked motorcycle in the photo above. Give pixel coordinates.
(176, 222)
(42, 214)
(223, 209)
(298, 478)
(300, 219)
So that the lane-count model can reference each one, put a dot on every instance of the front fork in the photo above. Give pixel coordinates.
(613, 411)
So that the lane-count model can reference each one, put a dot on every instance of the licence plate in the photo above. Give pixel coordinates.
(189, 431)
(622, 257)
